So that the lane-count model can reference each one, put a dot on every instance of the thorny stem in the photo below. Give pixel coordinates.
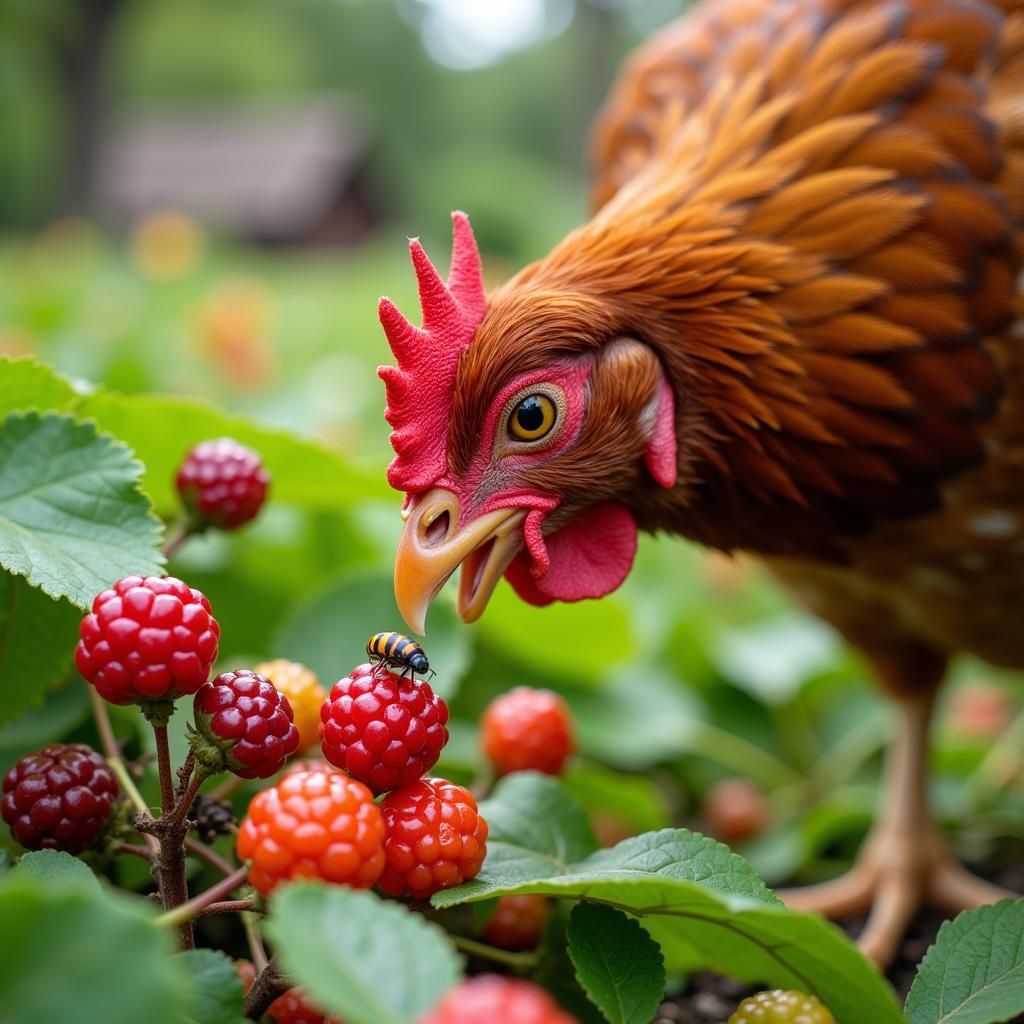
(269, 984)
(253, 935)
(198, 904)
(176, 818)
(210, 856)
(517, 961)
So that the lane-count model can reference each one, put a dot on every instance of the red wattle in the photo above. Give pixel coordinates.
(588, 557)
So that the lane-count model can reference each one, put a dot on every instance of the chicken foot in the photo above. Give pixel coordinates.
(904, 864)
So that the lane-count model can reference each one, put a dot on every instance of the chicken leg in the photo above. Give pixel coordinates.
(904, 863)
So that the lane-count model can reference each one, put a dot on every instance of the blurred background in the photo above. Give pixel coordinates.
(207, 198)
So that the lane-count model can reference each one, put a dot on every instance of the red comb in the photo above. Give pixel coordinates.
(419, 390)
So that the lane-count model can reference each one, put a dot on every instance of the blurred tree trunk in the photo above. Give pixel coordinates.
(82, 59)
(595, 35)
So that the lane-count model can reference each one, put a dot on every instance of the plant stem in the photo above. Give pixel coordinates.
(163, 760)
(138, 851)
(115, 760)
(228, 907)
(195, 906)
(210, 856)
(517, 961)
(175, 538)
(176, 818)
(253, 935)
(269, 984)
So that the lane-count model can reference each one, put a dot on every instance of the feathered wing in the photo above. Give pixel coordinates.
(830, 194)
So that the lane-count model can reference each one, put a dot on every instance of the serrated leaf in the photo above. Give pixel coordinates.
(535, 830)
(618, 964)
(76, 953)
(72, 517)
(974, 973)
(61, 711)
(37, 640)
(302, 471)
(695, 896)
(215, 990)
(54, 870)
(369, 960)
(328, 631)
(26, 384)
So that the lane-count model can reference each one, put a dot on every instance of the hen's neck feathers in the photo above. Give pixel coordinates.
(816, 251)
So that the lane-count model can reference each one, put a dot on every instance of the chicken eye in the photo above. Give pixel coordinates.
(532, 418)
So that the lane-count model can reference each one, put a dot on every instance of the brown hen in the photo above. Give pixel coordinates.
(789, 328)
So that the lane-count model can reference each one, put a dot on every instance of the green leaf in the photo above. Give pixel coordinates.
(54, 870)
(215, 992)
(162, 428)
(329, 631)
(76, 953)
(72, 518)
(62, 710)
(26, 384)
(535, 830)
(693, 895)
(368, 960)
(618, 964)
(37, 642)
(974, 974)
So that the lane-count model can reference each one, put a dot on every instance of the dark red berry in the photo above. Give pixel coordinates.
(434, 838)
(382, 729)
(490, 998)
(516, 922)
(147, 639)
(243, 725)
(222, 483)
(60, 798)
(527, 729)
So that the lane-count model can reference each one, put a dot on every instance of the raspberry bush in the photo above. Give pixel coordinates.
(432, 859)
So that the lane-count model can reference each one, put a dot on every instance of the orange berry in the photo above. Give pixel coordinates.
(304, 692)
(313, 825)
(527, 729)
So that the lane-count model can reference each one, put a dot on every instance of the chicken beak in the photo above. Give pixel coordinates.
(433, 546)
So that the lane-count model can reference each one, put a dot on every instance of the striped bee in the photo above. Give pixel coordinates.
(397, 651)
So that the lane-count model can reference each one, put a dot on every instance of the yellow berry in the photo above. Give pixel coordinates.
(779, 1007)
(304, 692)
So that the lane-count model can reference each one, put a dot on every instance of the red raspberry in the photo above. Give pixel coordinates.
(382, 729)
(434, 838)
(243, 725)
(147, 639)
(313, 825)
(517, 922)
(527, 729)
(60, 798)
(293, 1007)
(735, 809)
(304, 692)
(488, 998)
(222, 483)
(779, 1007)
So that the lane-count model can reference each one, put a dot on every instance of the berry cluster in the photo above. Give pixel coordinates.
(383, 729)
(305, 695)
(222, 483)
(527, 729)
(779, 1007)
(488, 998)
(60, 798)
(243, 724)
